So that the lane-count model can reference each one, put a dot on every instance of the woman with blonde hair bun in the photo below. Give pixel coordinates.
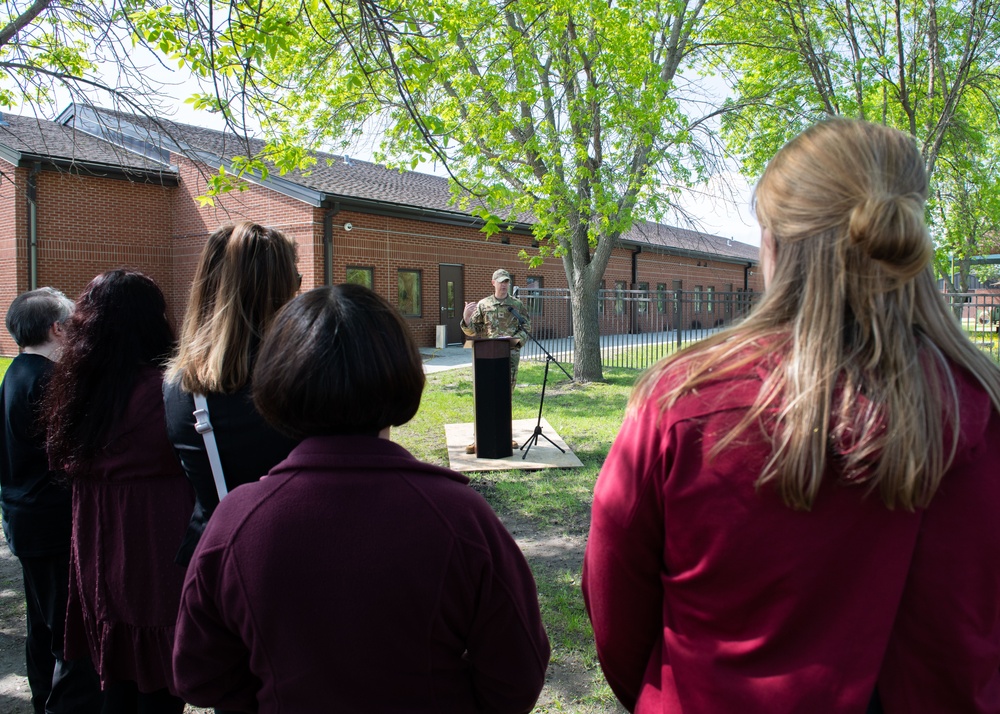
(800, 512)
(245, 274)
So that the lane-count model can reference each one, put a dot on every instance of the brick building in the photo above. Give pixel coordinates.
(97, 189)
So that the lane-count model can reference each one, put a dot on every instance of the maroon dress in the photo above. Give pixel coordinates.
(129, 514)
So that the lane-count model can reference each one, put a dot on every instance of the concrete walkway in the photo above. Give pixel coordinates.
(439, 360)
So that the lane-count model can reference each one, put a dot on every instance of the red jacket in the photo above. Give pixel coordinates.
(709, 596)
(354, 578)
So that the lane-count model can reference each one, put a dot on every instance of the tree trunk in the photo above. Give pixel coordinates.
(586, 335)
(964, 271)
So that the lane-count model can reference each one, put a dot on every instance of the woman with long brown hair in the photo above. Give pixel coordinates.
(799, 513)
(245, 274)
(130, 499)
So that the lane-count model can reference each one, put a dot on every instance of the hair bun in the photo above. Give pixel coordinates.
(891, 230)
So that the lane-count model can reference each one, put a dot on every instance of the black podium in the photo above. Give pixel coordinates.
(491, 386)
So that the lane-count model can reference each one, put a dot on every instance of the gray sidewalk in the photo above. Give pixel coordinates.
(439, 360)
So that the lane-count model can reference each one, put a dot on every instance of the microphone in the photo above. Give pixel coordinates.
(516, 314)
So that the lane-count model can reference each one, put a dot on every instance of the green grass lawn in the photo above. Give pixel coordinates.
(551, 503)
(4, 364)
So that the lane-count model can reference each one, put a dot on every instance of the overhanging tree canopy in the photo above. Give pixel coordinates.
(568, 112)
(929, 68)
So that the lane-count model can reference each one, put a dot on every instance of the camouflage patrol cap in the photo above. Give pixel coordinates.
(501, 274)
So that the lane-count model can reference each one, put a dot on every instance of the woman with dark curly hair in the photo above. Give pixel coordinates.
(130, 499)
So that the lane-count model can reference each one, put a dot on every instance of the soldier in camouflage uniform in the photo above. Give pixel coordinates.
(490, 317)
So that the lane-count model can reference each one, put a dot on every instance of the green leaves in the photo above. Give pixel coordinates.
(932, 72)
(563, 113)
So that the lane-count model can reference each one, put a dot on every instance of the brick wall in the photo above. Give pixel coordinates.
(87, 225)
(13, 222)
(389, 244)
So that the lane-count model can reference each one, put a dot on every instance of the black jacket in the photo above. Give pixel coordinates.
(36, 501)
(248, 448)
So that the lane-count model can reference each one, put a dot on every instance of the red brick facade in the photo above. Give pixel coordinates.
(87, 225)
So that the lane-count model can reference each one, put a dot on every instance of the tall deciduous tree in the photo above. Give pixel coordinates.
(567, 113)
(928, 67)
(42, 42)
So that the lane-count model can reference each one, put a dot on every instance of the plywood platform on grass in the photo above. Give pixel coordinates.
(542, 455)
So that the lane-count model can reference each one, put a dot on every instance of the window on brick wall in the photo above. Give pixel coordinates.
(619, 297)
(643, 306)
(409, 293)
(710, 298)
(697, 298)
(601, 295)
(530, 295)
(361, 276)
(661, 297)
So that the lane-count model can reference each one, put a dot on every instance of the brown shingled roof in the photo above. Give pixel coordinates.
(35, 138)
(331, 174)
(339, 176)
(688, 241)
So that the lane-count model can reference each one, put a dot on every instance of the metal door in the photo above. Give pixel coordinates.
(452, 291)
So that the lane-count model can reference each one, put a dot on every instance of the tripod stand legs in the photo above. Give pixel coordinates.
(533, 439)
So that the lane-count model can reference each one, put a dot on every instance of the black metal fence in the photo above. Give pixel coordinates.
(638, 327)
(979, 316)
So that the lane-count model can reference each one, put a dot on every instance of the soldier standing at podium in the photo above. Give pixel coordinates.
(497, 316)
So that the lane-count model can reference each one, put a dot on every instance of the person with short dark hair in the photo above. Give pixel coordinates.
(36, 506)
(387, 584)
(131, 502)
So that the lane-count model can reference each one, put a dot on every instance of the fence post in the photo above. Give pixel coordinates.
(677, 316)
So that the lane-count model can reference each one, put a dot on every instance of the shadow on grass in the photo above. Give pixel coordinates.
(547, 511)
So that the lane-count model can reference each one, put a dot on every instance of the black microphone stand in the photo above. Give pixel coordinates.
(533, 439)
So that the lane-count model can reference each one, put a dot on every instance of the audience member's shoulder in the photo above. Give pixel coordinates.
(242, 505)
(27, 365)
(173, 392)
(730, 390)
(149, 379)
(976, 411)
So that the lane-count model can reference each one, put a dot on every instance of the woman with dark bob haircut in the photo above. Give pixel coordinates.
(354, 578)
(130, 497)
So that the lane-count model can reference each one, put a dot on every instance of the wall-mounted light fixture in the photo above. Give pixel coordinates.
(348, 227)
